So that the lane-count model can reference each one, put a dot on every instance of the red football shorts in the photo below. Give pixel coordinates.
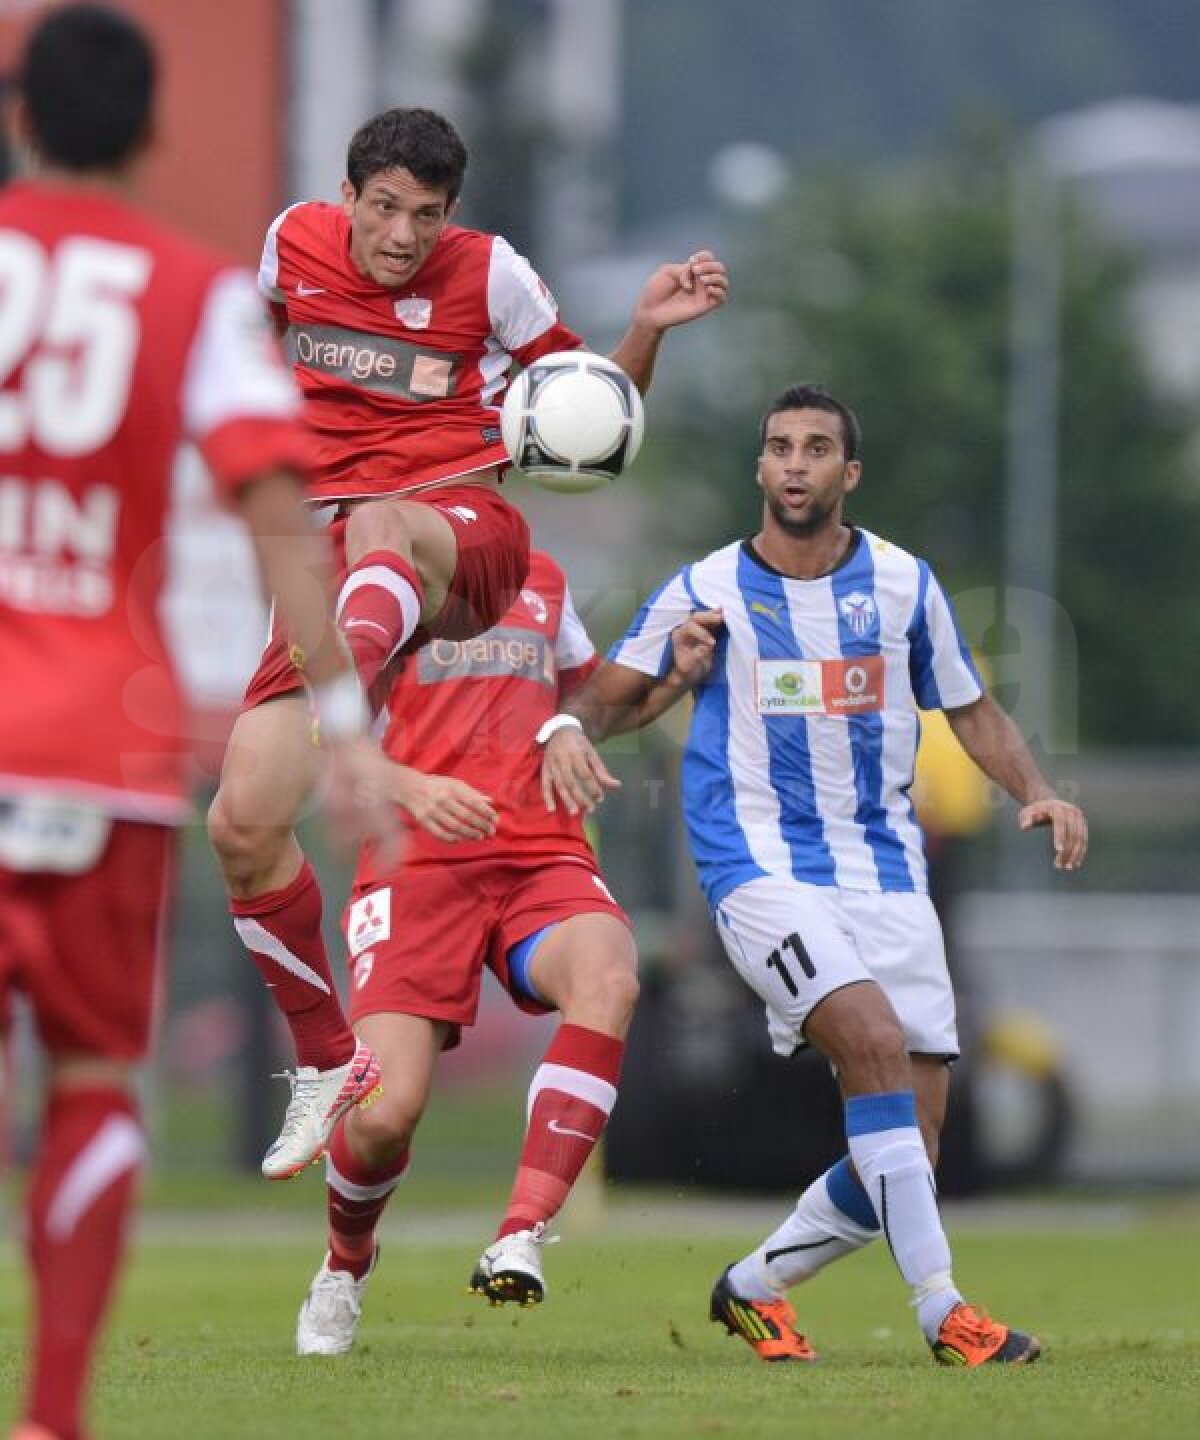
(418, 946)
(493, 561)
(85, 948)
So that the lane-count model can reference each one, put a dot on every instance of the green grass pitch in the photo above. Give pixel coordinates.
(201, 1343)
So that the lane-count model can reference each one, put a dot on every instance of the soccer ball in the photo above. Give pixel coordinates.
(572, 421)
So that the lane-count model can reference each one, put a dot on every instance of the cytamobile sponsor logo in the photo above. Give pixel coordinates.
(820, 687)
(374, 362)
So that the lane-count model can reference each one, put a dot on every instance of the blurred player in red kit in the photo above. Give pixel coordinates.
(519, 893)
(119, 339)
(402, 328)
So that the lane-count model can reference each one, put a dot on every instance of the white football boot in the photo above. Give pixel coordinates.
(331, 1311)
(511, 1268)
(319, 1099)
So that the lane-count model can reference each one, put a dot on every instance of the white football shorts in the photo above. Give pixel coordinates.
(793, 944)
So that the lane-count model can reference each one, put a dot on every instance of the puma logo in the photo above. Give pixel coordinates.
(770, 611)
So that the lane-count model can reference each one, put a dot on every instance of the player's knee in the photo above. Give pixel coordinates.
(871, 1054)
(246, 853)
(384, 1128)
(377, 525)
(602, 994)
(622, 988)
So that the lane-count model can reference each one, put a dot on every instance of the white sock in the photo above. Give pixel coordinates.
(889, 1155)
(832, 1218)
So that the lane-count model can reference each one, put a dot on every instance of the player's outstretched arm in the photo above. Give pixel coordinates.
(991, 739)
(608, 702)
(673, 295)
(616, 699)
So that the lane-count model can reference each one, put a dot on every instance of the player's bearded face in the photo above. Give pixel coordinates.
(395, 222)
(803, 470)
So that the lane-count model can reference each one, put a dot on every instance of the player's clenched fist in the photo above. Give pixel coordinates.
(573, 774)
(694, 643)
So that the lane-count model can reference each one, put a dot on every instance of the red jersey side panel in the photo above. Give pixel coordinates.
(118, 339)
(403, 385)
(471, 709)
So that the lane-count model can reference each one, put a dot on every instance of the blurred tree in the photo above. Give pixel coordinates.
(505, 132)
(895, 294)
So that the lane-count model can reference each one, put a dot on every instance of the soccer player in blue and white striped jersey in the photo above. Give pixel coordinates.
(810, 648)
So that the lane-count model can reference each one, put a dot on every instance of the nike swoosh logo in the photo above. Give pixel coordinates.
(358, 624)
(302, 289)
(565, 1130)
(361, 1076)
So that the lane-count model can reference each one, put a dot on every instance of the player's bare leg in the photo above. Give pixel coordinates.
(271, 766)
(587, 967)
(832, 1218)
(367, 1155)
(80, 1195)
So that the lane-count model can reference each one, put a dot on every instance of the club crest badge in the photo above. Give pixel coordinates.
(535, 605)
(860, 612)
(414, 312)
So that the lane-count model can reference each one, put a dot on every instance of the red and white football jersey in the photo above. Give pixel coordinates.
(118, 340)
(403, 385)
(470, 708)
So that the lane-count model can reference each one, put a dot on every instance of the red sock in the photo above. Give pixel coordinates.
(378, 608)
(282, 931)
(79, 1201)
(356, 1196)
(570, 1100)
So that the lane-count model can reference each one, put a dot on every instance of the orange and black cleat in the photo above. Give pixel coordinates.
(971, 1337)
(767, 1326)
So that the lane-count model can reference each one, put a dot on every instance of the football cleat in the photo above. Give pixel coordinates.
(511, 1268)
(319, 1100)
(331, 1311)
(970, 1337)
(767, 1326)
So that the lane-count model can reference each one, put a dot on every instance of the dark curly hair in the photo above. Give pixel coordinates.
(420, 141)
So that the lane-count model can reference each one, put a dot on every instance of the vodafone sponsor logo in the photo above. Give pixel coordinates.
(57, 546)
(853, 687)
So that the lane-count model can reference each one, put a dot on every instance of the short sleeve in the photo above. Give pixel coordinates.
(940, 666)
(523, 312)
(239, 403)
(572, 645)
(268, 266)
(646, 645)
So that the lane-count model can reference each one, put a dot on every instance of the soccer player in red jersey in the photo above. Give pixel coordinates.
(527, 901)
(402, 328)
(119, 339)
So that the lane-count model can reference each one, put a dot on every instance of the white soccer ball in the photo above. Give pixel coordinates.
(572, 421)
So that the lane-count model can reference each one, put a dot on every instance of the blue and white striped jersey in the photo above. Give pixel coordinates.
(800, 753)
